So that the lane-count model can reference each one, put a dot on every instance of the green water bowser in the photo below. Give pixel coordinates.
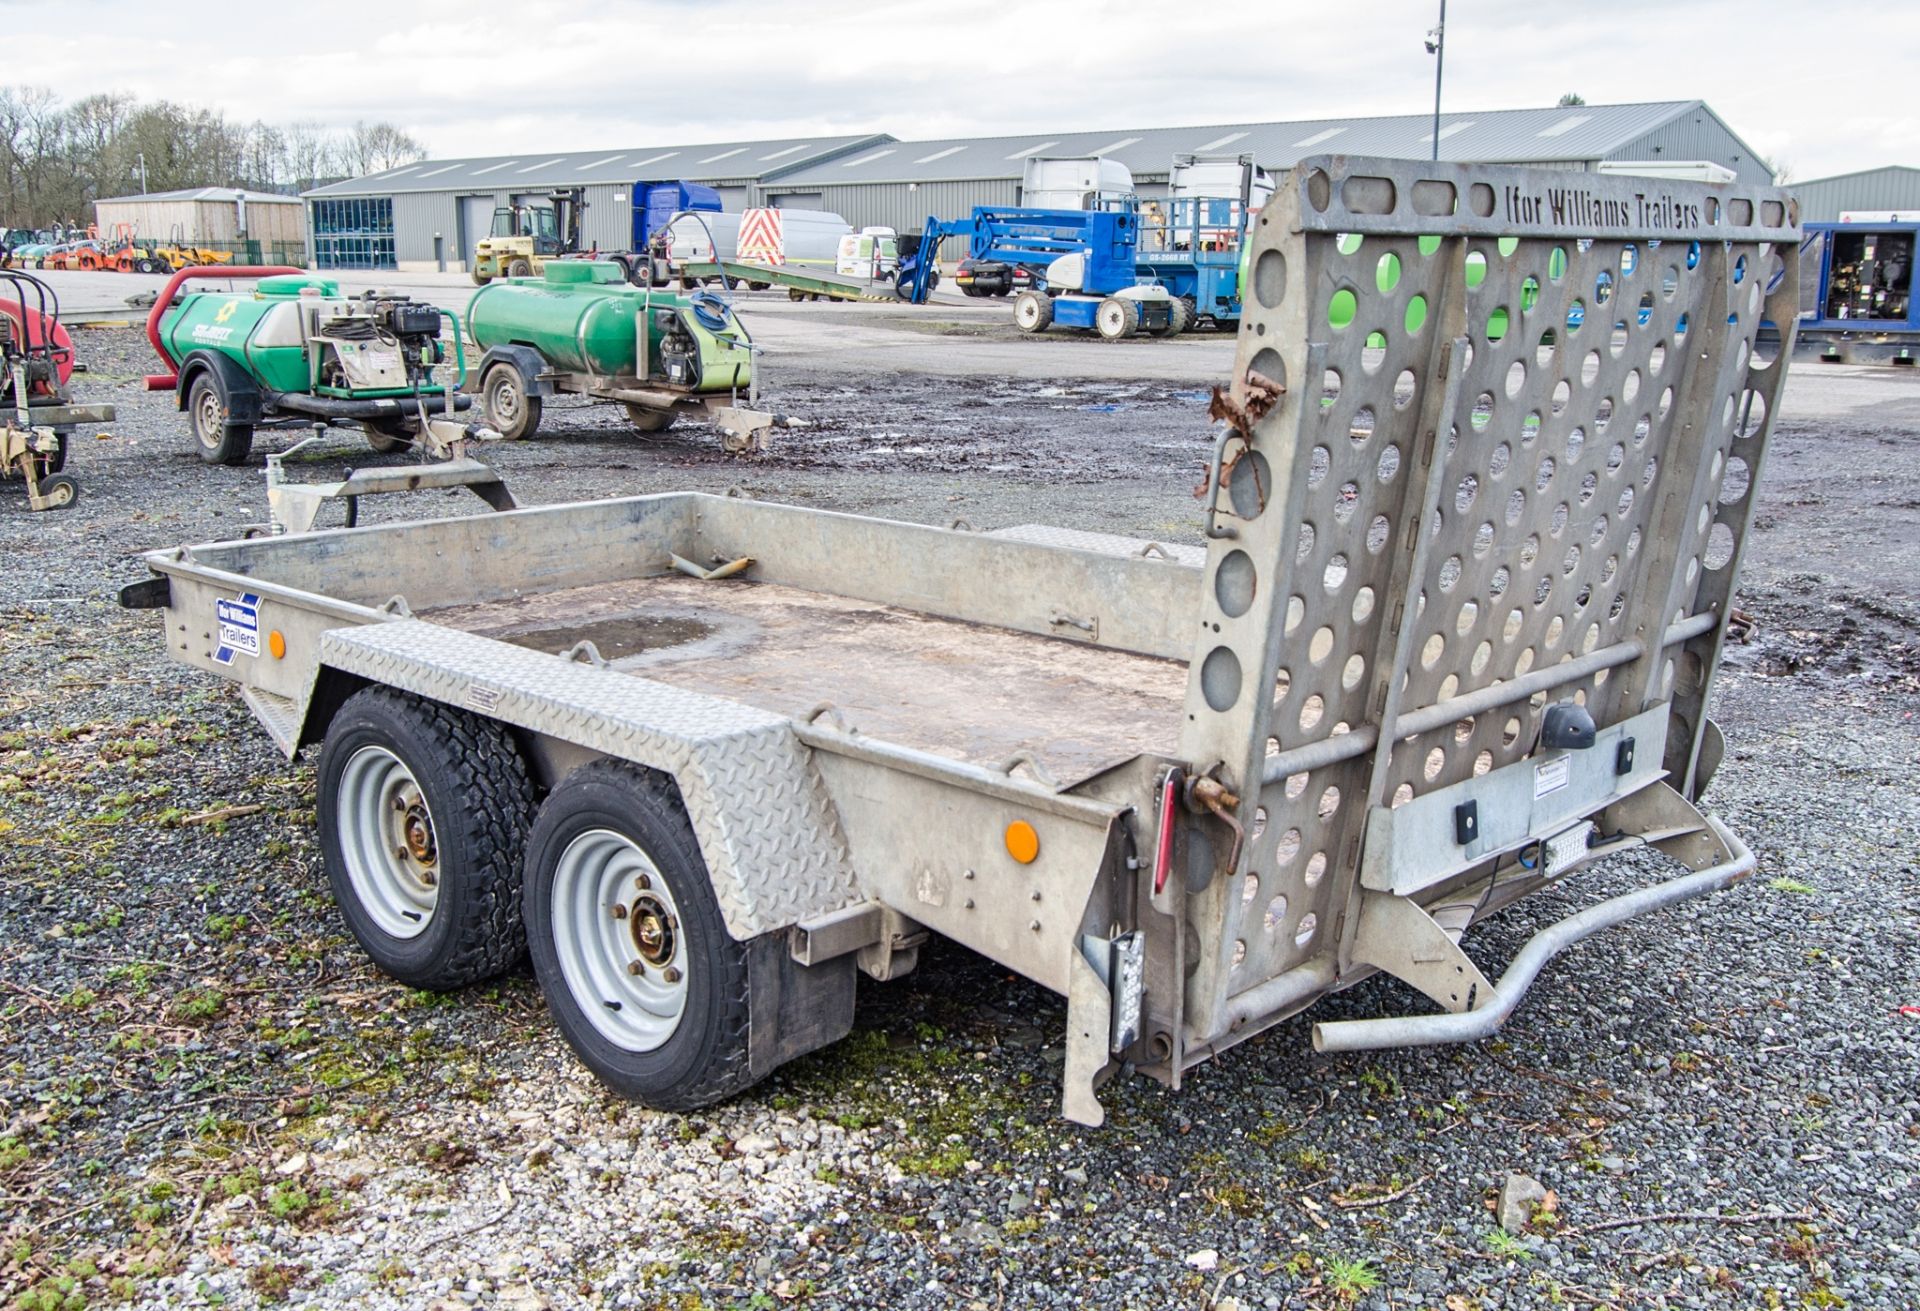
(293, 351)
(583, 329)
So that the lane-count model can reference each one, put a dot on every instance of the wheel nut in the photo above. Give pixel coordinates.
(619, 910)
(642, 882)
(634, 967)
(427, 877)
(670, 974)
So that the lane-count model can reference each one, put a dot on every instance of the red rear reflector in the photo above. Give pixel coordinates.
(1163, 853)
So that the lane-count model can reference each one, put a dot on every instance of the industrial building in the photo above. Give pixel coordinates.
(1894, 189)
(222, 217)
(900, 183)
(428, 215)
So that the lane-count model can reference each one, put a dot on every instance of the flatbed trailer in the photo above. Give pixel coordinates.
(800, 283)
(710, 760)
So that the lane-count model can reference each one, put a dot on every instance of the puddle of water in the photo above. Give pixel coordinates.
(621, 635)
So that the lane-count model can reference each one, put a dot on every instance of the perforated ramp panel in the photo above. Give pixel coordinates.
(1520, 425)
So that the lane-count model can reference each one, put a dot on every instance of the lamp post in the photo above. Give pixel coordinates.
(1437, 47)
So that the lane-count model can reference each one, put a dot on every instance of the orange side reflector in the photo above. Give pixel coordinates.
(1023, 844)
(277, 644)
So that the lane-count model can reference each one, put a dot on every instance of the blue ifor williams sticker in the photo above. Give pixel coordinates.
(239, 627)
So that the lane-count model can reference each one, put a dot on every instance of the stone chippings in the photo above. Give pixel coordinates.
(199, 1072)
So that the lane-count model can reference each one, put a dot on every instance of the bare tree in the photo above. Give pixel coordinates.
(56, 160)
(311, 155)
(376, 147)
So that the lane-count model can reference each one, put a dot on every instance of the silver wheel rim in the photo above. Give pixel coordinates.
(388, 843)
(506, 402)
(209, 416)
(618, 935)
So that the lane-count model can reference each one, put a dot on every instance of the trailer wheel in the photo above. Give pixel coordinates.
(385, 436)
(1033, 311)
(60, 490)
(220, 442)
(628, 943)
(424, 812)
(1116, 319)
(647, 419)
(511, 411)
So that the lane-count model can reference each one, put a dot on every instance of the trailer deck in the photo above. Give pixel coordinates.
(967, 691)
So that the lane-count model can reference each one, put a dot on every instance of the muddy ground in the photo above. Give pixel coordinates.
(208, 1098)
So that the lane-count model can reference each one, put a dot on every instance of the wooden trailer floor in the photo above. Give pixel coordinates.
(961, 690)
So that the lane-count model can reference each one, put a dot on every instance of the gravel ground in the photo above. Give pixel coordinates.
(207, 1097)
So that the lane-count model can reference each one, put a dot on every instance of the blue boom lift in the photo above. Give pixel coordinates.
(1083, 264)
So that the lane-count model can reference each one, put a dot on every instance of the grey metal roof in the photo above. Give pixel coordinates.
(1891, 171)
(206, 193)
(1579, 132)
(1890, 187)
(726, 161)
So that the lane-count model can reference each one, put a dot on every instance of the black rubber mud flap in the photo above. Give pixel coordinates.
(147, 594)
(796, 1008)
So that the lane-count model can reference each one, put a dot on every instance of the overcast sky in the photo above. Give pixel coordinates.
(1826, 87)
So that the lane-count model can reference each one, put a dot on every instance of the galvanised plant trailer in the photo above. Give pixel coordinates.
(1450, 640)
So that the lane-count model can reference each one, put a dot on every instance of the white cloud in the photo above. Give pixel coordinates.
(486, 77)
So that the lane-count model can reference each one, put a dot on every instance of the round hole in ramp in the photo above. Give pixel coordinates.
(1234, 584)
(1220, 678)
(1270, 278)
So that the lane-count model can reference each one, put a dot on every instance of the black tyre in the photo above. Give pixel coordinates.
(511, 411)
(1033, 311)
(386, 436)
(1179, 319)
(481, 279)
(519, 268)
(424, 813)
(628, 942)
(61, 491)
(55, 460)
(220, 442)
(647, 419)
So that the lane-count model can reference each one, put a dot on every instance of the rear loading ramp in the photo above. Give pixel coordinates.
(1493, 441)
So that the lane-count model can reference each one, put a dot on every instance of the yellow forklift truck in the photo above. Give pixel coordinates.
(526, 235)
